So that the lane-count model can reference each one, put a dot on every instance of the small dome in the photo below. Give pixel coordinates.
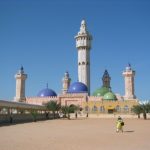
(78, 87)
(110, 96)
(46, 92)
(101, 91)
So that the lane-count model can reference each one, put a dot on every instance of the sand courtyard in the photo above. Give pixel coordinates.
(80, 134)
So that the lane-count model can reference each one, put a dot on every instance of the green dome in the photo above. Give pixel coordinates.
(101, 91)
(110, 96)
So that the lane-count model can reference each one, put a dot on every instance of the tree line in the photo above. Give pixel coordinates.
(142, 108)
(56, 108)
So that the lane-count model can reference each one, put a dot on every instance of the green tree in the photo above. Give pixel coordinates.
(137, 110)
(66, 110)
(148, 107)
(143, 107)
(34, 115)
(75, 109)
(53, 106)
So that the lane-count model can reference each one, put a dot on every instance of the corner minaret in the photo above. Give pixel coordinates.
(83, 44)
(106, 79)
(20, 85)
(66, 83)
(129, 82)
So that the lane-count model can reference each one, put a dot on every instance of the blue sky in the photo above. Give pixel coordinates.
(39, 34)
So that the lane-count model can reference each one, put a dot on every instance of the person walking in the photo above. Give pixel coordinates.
(119, 124)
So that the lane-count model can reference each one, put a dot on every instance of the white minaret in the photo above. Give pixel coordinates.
(83, 44)
(65, 83)
(129, 82)
(20, 85)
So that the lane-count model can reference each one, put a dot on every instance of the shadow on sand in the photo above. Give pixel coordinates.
(129, 131)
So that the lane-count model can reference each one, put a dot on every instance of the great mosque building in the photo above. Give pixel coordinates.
(103, 100)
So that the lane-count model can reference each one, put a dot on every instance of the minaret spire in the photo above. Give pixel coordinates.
(106, 79)
(83, 44)
(65, 82)
(20, 85)
(129, 75)
(83, 27)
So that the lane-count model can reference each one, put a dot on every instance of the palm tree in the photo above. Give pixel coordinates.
(137, 110)
(142, 108)
(58, 107)
(75, 109)
(66, 110)
(53, 106)
(145, 109)
(34, 115)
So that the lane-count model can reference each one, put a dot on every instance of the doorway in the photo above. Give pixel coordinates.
(110, 111)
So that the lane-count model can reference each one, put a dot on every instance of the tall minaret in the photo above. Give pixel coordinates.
(83, 44)
(66, 83)
(106, 79)
(20, 85)
(129, 82)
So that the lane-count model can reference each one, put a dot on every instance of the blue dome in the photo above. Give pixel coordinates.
(78, 87)
(46, 92)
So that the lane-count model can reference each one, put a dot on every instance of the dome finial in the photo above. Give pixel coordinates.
(128, 68)
(83, 22)
(106, 73)
(21, 68)
(66, 74)
(83, 28)
(129, 64)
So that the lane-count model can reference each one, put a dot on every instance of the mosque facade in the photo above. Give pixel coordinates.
(103, 100)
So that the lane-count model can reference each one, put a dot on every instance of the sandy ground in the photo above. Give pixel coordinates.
(80, 134)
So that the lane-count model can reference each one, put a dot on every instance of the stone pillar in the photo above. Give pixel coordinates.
(20, 85)
(66, 83)
(83, 44)
(106, 79)
(129, 75)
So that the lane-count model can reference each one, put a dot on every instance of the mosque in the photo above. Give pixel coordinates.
(103, 100)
